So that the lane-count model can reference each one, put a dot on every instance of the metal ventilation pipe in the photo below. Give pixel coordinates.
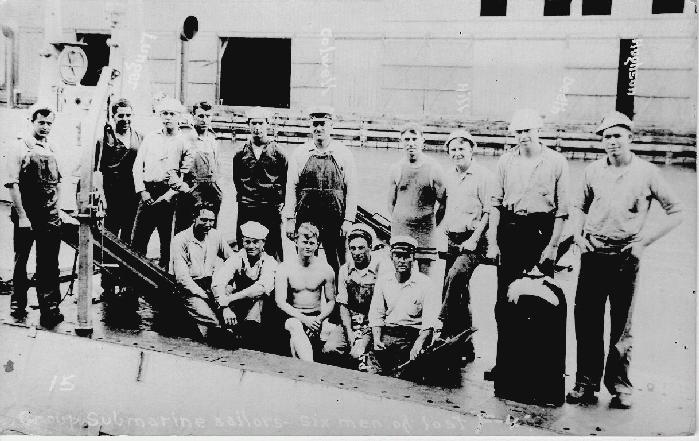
(11, 63)
(188, 30)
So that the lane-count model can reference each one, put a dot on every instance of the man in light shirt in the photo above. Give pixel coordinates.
(195, 252)
(612, 233)
(530, 205)
(160, 163)
(403, 310)
(469, 188)
(243, 284)
(321, 188)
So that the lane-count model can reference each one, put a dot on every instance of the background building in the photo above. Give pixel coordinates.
(464, 59)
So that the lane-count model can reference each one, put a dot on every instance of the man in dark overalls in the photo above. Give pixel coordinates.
(355, 287)
(321, 188)
(243, 284)
(33, 179)
(259, 174)
(116, 153)
(203, 171)
(530, 203)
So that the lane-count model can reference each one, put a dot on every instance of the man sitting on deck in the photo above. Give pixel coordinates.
(403, 310)
(194, 255)
(355, 288)
(300, 285)
(242, 283)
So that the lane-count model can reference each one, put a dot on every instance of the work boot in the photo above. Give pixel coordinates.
(19, 314)
(620, 401)
(581, 395)
(50, 320)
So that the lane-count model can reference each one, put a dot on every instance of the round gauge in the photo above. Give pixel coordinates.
(72, 64)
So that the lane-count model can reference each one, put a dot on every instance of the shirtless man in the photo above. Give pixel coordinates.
(300, 284)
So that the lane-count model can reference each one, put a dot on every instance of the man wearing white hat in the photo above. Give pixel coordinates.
(530, 204)
(160, 163)
(417, 195)
(469, 188)
(195, 252)
(321, 187)
(33, 180)
(260, 170)
(403, 311)
(244, 283)
(611, 231)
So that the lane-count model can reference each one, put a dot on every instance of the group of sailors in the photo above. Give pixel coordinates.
(374, 312)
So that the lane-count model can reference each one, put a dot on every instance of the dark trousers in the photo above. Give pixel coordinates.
(456, 314)
(521, 239)
(48, 243)
(605, 275)
(268, 216)
(399, 340)
(121, 211)
(150, 218)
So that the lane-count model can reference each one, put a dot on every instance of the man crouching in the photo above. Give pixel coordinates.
(241, 285)
(194, 254)
(403, 310)
(300, 283)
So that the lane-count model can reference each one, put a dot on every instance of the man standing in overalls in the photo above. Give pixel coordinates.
(611, 231)
(203, 172)
(33, 179)
(417, 194)
(116, 154)
(530, 204)
(321, 188)
(259, 173)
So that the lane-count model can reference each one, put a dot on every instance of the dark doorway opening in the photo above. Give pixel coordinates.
(256, 72)
(597, 7)
(97, 53)
(493, 8)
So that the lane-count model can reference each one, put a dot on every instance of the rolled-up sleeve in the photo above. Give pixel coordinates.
(180, 267)
(377, 307)
(583, 196)
(562, 191)
(661, 191)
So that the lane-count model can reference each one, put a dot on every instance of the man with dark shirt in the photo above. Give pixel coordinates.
(259, 175)
(116, 153)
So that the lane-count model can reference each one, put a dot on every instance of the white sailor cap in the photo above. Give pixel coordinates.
(168, 103)
(411, 127)
(460, 133)
(614, 119)
(254, 230)
(524, 119)
(403, 243)
(363, 231)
